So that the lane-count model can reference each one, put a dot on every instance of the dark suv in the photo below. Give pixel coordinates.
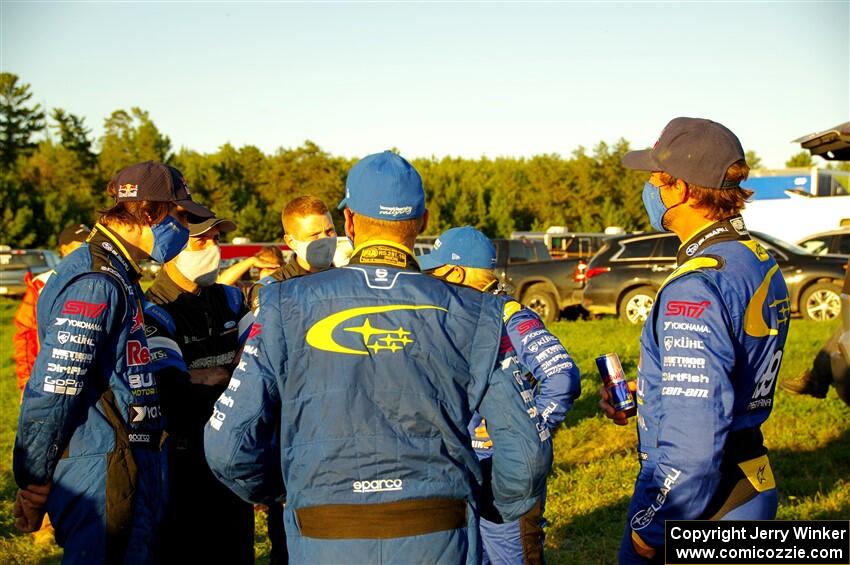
(625, 275)
(16, 263)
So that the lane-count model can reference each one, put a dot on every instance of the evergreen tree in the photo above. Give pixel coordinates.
(74, 136)
(18, 122)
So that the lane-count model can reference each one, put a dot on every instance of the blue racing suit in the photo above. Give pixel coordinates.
(90, 420)
(710, 354)
(550, 382)
(372, 372)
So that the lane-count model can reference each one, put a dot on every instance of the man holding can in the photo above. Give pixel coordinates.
(710, 349)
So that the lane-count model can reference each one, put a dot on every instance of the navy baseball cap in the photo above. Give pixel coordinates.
(73, 234)
(695, 150)
(464, 247)
(386, 187)
(156, 182)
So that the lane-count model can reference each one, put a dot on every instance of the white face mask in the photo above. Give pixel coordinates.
(200, 267)
(344, 248)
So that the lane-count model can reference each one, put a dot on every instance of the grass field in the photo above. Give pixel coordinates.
(595, 461)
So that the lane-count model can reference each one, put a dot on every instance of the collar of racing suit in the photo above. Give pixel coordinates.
(102, 239)
(380, 252)
(168, 291)
(730, 229)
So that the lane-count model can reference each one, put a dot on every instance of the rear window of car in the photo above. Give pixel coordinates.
(817, 245)
(520, 252)
(18, 260)
(637, 248)
(843, 244)
(667, 247)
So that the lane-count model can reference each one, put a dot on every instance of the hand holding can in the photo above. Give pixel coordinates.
(614, 380)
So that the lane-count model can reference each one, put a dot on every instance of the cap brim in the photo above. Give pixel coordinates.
(222, 224)
(342, 204)
(640, 160)
(195, 209)
(428, 262)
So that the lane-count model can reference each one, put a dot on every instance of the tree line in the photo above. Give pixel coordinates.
(54, 174)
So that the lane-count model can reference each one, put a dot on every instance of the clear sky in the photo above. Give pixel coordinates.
(463, 79)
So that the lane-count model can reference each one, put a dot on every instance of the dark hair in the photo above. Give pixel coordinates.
(719, 203)
(300, 207)
(133, 213)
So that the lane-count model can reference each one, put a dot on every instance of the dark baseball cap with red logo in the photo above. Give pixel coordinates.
(696, 150)
(156, 182)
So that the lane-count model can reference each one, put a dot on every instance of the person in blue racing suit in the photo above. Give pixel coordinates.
(711, 347)
(372, 372)
(89, 444)
(550, 378)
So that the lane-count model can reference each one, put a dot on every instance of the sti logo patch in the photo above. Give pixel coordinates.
(86, 309)
(686, 309)
(373, 339)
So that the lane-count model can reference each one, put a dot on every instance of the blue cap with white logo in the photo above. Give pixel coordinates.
(386, 187)
(464, 247)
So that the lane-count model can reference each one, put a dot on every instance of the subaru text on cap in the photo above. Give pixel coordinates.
(384, 186)
(464, 247)
(696, 150)
(156, 182)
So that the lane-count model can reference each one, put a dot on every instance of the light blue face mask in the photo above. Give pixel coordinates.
(655, 207)
(169, 239)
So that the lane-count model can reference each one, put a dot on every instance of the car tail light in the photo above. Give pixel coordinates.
(579, 275)
(596, 271)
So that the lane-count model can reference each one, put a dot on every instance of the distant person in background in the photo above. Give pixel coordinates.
(829, 367)
(551, 381)
(26, 332)
(195, 329)
(272, 258)
(89, 448)
(266, 260)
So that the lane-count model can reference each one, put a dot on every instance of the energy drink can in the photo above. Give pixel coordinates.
(614, 379)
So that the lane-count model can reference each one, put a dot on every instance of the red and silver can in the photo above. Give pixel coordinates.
(614, 379)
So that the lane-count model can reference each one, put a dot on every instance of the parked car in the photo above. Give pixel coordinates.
(545, 285)
(624, 277)
(834, 242)
(16, 263)
(563, 244)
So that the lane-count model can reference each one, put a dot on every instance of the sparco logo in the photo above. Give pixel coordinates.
(378, 485)
(86, 309)
(395, 210)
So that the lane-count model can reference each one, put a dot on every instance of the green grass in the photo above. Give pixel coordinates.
(595, 461)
